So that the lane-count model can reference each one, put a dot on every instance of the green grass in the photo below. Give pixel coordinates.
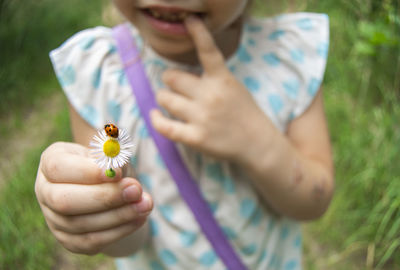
(28, 31)
(366, 206)
(25, 240)
(362, 102)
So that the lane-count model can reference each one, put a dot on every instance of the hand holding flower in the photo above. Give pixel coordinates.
(86, 211)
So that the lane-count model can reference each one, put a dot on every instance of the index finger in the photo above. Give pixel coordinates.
(209, 54)
(71, 163)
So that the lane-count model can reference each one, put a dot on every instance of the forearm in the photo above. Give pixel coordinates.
(292, 183)
(129, 244)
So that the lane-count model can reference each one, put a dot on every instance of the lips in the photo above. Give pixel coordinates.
(169, 20)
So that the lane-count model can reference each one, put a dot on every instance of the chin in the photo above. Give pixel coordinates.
(173, 49)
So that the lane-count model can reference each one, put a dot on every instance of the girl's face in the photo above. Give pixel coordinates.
(160, 22)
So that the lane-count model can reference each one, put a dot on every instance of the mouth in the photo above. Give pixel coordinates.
(170, 15)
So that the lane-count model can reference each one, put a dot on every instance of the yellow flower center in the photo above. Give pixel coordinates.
(111, 148)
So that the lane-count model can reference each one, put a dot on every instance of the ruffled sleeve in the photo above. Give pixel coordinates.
(91, 75)
(291, 49)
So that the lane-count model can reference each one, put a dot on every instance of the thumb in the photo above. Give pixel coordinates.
(64, 162)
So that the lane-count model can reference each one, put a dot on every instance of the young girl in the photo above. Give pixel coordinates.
(241, 99)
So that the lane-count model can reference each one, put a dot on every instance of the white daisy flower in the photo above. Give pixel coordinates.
(111, 148)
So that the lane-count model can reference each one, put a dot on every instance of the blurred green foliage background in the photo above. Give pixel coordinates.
(28, 31)
(362, 96)
(362, 93)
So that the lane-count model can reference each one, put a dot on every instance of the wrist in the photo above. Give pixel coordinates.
(263, 142)
(130, 244)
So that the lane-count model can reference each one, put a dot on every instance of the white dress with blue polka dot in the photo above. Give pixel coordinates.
(281, 61)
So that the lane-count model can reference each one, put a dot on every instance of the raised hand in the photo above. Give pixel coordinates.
(84, 209)
(216, 113)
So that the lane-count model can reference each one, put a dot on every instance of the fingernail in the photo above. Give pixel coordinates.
(144, 206)
(131, 194)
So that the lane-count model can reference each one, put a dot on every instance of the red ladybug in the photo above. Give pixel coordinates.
(111, 130)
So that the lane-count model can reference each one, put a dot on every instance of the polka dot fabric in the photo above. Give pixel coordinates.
(280, 61)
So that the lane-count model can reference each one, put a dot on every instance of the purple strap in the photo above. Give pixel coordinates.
(168, 151)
